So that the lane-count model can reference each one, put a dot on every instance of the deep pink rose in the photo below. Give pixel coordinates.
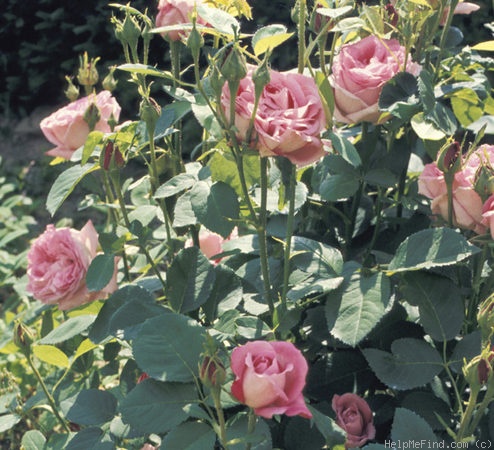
(67, 129)
(354, 415)
(57, 265)
(360, 71)
(211, 244)
(176, 12)
(488, 214)
(289, 119)
(270, 377)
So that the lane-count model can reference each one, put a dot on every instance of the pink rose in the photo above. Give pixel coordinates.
(289, 119)
(482, 156)
(360, 71)
(461, 8)
(354, 415)
(67, 129)
(488, 214)
(57, 265)
(270, 377)
(211, 244)
(175, 12)
(431, 181)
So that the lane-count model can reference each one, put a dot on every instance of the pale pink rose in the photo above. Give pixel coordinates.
(488, 214)
(67, 129)
(482, 156)
(176, 12)
(270, 377)
(467, 208)
(211, 244)
(431, 181)
(149, 447)
(354, 415)
(58, 262)
(461, 8)
(360, 71)
(289, 119)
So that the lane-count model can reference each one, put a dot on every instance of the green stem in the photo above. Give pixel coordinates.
(467, 415)
(301, 35)
(488, 397)
(49, 397)
(221, 416)
(444, 34)
(377, 225)
(452, 378)
(177, 137)
(251, 426)
(289, 233)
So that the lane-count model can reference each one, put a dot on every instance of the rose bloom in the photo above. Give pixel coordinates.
(488, 214)
(58, 261)
(270, 377)
(360, 71)
(354, 415)
(211, 244)
(175, 12)
(67, 129)
(289, 119)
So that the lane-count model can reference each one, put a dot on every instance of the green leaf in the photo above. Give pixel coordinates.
(33, 440)
(333, 434)
(184, 215)
(124, 312)
(175, 185)
(335, 178)
(334, 13)
(177, 339)
(100, 272)
(8, 421)
(190, 436)
(314, 286)
(316, 257)
(431, 248)
(399, 96)
(409, 426)
(190, 280)
(345, 149)
(51, 355)
(466, 349)
(93, 438)
(237, 433)
(145, 70)
(364, 301)
(426, 90)
(412, 363)
(440, 303)
(94, 138)
(220, 20)
(425, 128)
(155, 407)
(224, 168)
(269, 37)
(65, 184)
(90, 407)
(68, 329)
(486, 46)
(467, 106)
(215, 206)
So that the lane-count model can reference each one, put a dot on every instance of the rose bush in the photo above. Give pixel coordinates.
(270, 377)
(68, 127)
(289, 118)
(354, 415)
(360, 71)
(57, 265)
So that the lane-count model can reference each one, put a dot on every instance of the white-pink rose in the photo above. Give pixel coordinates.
(360, 71)
(67, 128)
(58, 261)
(289, 119)
(176, 12)
(488, 214)
(211, 244)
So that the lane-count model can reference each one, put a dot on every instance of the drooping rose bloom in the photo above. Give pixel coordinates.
(488, 214)
(211, 244)
(289, 119)
(354, 415)
(176, 12)
(58, 261)
(67, 129)
(270, 377)
(360, 71)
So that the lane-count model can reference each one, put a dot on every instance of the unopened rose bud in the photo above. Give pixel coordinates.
(92, 115)
(212, 372)
(150, 112)
(131, 31)
(112, 157)
(109, 83)
(392, 14)
(484, 181)
(87, 75)
(449, 159)
(216, 81)
(195, 42)
(72, 91)
(484, 371)
(234, 67)
(261, 77)
(23, 337)
(142, 377)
